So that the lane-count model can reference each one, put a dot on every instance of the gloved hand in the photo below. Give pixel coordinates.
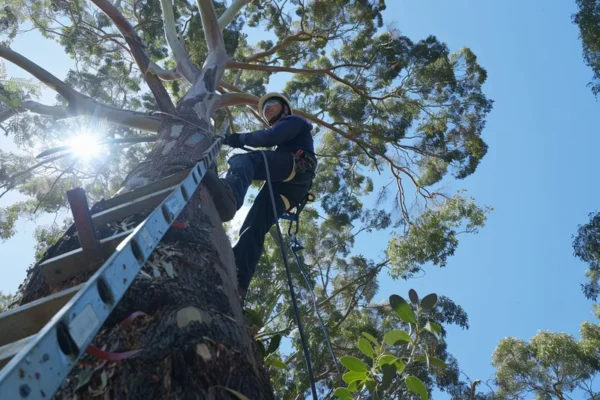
(233, 141)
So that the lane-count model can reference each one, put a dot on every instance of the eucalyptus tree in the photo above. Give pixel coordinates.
(394, 118)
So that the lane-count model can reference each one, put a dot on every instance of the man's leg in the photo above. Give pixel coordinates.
(229, 193)
(250, 244)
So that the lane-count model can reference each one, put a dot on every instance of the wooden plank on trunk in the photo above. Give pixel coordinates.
(30, 318)
(145, 190)
(72, 263)
(131, 208)
(10, 350)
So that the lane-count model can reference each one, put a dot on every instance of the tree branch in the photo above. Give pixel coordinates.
(306, 71)
(79, 104)
(40, 73)
(298, 37)
(86, 106)
(212, 31)
(34, 106)
(139, 54)
(163, 74)
(231, 12)
(184, 64)
(235, 99)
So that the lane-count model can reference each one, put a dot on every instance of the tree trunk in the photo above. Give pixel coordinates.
(194, 340)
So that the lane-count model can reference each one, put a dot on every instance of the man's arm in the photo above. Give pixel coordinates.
(283, 131)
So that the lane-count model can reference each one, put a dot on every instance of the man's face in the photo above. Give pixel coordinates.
(272, 108)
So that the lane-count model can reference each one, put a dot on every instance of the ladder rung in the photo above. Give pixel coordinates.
(72, 263)
(133, 207)
(145, 190)
(45, 361)
(28, 319)
(10, 350)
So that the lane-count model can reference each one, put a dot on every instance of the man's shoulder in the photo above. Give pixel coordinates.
(298, 119)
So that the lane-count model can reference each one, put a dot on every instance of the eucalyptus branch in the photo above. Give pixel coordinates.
(184, 64)
(212, 31)
(231, 12)
(40, 73)
(139, 54)
(298, 37)
(164, 74)
(307, 71)
(38, 108)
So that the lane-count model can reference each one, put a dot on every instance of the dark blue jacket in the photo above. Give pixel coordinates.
(289, 135)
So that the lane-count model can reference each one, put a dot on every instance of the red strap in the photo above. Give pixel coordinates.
(131, 318)
(179, 225)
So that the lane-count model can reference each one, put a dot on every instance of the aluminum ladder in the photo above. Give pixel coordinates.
(40, 342)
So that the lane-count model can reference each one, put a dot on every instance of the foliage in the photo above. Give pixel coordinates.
(6, 300)
(386, 377)
(588, 20)
(377, 99)
(586, 247)
(13, 90)
(551, 365)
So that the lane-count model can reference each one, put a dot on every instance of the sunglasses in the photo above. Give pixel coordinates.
(270, 103)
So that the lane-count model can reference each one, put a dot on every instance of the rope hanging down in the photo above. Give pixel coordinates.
(296, 246)
(290, 283)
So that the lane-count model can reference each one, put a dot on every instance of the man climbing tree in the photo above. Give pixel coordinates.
(291, 170)
(388, 112)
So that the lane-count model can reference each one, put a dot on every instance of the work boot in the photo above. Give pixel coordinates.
(222, 195)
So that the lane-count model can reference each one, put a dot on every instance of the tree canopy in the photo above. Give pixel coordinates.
(586, 247)
(396, 119)
(550, 366)
(588, 20)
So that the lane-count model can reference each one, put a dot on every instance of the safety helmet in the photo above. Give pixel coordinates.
(266, 100)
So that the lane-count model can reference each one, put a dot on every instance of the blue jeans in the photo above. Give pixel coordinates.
(244, 168)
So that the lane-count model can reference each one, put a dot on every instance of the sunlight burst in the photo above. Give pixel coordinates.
(85, 146)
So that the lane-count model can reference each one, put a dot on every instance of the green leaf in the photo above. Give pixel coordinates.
(393, 337)
(413, 296)
(233, 392)
(437, 362)
(428, 327)
(274, 344)
(352, 376)
(387, 359)
(276, 362)
(429, 301)
(253, 318)
(389, 373)
(400, 366)
(343, 393)
(353, 363)
(415, 385)
(402, 309)
(353, 386)
(365, 347)
(84, 377)
(371, 338)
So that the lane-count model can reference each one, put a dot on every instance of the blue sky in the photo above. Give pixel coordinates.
(518, 275)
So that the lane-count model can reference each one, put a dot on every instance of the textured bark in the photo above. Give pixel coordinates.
(194, 338)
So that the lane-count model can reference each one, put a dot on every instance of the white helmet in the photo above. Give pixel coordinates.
(273, 96)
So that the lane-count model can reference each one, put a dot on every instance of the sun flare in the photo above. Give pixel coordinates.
(85, 146)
